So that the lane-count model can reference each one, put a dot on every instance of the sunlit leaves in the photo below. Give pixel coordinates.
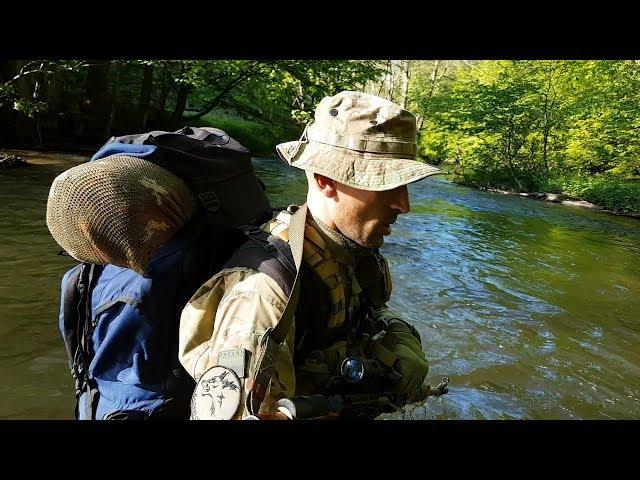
(532, 119)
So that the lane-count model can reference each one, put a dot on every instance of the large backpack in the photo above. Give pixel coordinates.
(120, 328)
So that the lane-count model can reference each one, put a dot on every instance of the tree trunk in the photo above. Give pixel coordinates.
(406, 74)
(545, 147)
(432, 86)
(546, 130)
(24, 124)
(37, 94)
(181, 102)
(96, 103)
(390, 87)
(114, 102)
(383, 81)
(164, 90)
(510, 153)
(434, 77)
(181, 98)
(145, 94)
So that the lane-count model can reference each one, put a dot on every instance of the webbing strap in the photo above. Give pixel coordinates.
(363, 143)
(82, 360)
(273, 338)
(318, 256)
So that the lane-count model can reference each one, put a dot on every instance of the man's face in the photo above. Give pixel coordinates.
(365, 216)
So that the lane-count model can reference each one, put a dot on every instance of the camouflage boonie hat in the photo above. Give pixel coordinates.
(359, 140)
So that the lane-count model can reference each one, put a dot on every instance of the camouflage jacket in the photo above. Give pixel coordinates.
(343, 294)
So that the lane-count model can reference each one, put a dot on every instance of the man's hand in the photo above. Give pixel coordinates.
(411, 362)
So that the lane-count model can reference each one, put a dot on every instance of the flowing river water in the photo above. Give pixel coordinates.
(531, 309)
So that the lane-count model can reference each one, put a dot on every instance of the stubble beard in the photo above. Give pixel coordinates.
(356, 231)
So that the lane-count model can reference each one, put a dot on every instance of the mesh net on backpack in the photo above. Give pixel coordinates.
(118, 210)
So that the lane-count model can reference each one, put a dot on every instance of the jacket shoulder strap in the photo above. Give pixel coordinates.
(317, 256)
(274, 337)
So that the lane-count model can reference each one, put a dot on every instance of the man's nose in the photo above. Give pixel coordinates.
(400, 200)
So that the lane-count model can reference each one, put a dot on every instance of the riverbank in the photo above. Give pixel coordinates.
(40, 157)
(8, 161)
(561, 198)
(602, 193)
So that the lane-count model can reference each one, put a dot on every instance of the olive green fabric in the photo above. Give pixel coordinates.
(411, 362)
(360, 140)
(372, 272)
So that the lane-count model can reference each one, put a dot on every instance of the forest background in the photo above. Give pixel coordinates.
(570, 127)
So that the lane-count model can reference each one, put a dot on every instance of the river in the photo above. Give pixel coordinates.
(530, 308)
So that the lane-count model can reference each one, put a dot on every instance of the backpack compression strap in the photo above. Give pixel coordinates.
(77, 331)
(273, 338)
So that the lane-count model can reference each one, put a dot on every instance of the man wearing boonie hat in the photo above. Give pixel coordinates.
(358, 155)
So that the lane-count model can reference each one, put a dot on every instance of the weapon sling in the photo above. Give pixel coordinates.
(273, 338)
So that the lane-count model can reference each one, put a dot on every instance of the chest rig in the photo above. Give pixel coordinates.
(336, 301)
(324, 269)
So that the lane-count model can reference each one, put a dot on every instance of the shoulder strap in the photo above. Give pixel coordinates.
(77, 329)
(71, 322)
(317, 256)
(90, 273)
(265, 253)
(70, 300)
(274, 337)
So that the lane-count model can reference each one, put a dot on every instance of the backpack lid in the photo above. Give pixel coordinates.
(216, 167)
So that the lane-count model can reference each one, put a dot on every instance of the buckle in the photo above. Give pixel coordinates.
(210, 201)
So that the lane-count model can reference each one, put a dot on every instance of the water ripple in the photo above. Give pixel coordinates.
(531, 308)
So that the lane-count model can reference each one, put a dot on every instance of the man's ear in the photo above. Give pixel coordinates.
(325, 185)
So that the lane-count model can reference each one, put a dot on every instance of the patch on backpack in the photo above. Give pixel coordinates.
(217, 395)
(235, 360)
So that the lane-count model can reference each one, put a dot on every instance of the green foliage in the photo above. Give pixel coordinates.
(6, 92)
(260, 139)
(29, 107)
(518, 125)
(433, 146)
(101, 97)
(523, 125)
(606, 191)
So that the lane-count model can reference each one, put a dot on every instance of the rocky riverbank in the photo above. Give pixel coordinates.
(557, 198)
(8, 161)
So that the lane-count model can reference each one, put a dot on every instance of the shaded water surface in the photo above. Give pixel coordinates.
(530, 308)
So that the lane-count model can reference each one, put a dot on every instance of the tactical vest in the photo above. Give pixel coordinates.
(334, 306)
